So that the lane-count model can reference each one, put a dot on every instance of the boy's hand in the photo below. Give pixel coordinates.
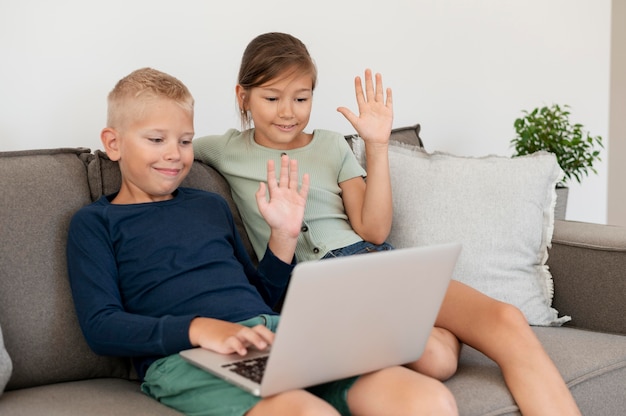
(284, 212)
(375, 117)
(227, 337)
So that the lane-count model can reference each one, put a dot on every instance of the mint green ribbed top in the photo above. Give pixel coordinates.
(328, 160)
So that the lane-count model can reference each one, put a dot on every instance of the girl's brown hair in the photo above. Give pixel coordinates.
(269, 56)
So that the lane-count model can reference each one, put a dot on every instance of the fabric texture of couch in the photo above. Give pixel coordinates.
(55, 373)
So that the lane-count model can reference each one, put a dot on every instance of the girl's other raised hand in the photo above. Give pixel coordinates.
(375, 105)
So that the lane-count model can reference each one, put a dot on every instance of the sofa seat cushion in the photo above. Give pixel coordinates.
(593, 365)
(105, 396)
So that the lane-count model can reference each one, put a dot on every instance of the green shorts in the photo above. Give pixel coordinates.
(191, 390)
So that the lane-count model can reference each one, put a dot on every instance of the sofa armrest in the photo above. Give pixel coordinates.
(588, 265)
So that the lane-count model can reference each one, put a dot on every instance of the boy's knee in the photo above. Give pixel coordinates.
(400, 391)
(293, 402)
(443, 403)
(434, 398)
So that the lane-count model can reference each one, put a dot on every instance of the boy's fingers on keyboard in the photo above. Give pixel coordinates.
(233, 344)
(265, 333)
(258, 336)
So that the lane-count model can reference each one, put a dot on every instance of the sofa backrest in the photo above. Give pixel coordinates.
(41, 190)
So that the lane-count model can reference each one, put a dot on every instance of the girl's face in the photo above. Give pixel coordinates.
(280, 110)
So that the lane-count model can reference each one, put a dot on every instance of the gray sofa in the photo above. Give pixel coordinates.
(55, 372)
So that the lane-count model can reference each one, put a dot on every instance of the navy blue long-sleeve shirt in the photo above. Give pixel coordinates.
(140, 273)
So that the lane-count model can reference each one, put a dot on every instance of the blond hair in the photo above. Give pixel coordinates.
(140, 86)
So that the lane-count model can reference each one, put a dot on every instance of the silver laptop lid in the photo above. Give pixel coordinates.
(352, 315)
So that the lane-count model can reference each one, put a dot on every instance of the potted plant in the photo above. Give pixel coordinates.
(549, 128)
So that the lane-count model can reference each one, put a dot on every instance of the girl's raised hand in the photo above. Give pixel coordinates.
(375, 117)
(284, 211)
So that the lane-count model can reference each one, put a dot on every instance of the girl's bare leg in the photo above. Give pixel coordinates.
(441, 355)
(501, 332)
(400, 391)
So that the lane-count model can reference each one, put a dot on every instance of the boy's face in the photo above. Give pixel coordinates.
(281, 109)
(153, 149)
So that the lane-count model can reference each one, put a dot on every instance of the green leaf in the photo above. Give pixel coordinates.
(549, 128)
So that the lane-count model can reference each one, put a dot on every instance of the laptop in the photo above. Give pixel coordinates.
(343, 317)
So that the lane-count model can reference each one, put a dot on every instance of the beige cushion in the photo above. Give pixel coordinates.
(500, 209)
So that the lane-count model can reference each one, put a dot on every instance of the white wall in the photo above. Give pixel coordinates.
(464, 69)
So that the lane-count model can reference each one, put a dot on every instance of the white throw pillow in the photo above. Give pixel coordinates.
(5, 365)
(501, 209)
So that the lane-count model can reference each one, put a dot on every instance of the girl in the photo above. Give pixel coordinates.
(347, 215)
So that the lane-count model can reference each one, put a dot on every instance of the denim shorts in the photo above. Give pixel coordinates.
(182, 386)
(362, 247)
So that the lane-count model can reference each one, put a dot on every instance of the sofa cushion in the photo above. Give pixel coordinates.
(105, 396)
(41, 190)
(105, 178)
(597, 380)
(5, 364)
(500, 209)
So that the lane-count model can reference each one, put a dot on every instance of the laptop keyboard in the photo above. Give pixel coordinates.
(251, 368)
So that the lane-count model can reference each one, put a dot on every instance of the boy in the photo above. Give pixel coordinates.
(155, 269)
